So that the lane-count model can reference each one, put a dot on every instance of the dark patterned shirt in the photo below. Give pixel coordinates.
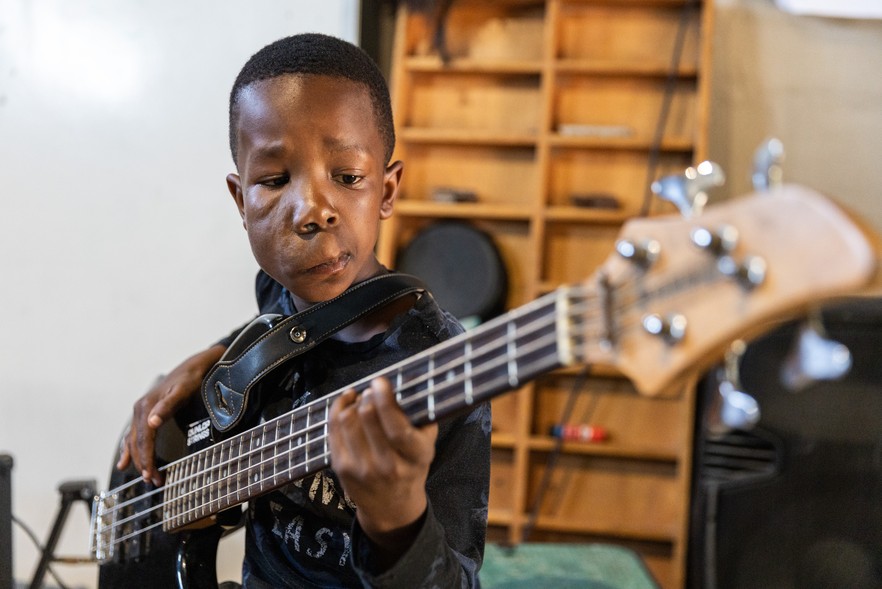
(306, 534)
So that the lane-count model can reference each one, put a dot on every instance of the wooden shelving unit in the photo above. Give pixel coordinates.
(541, 102)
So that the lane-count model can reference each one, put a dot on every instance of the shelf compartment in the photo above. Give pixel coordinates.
(607, 496)
(474, 102)
(637, 425)
(623, 111)
(499, 178)
(502, 468)
(622, 175)
(637, 39)
(574, 251)
(484, 31)
(505, 419)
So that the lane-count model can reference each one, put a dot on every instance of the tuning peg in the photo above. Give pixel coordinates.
(767, 165)
(719, 242)
(643, 254)
(738, 410)
(750, 273)
(732, 408)
(814, 357)
(688, 190)
(671, 327)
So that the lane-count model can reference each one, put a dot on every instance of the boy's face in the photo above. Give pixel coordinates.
(312, 183)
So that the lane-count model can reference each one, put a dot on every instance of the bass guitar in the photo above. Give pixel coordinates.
(660, 310)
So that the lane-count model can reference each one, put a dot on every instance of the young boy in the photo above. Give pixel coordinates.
(312, 137)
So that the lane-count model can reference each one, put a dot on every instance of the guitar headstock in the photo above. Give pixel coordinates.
(680, 290)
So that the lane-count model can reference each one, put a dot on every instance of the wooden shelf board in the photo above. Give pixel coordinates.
(433, 64)
(586, 215)
(499, 517)
(604, 449)
(625, 69)
(574, 527)
(628, 3)
(468, 137)
(422, 208)
(671, 144)
(502, 440)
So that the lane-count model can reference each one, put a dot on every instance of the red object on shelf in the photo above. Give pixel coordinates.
(579, 432)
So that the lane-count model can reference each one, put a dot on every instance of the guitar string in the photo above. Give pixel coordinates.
(588, 294)
(444, 387)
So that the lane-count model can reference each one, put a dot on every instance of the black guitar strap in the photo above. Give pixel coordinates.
(271, 340)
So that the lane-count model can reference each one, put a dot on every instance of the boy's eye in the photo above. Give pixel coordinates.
(348, 179)
(274, 181)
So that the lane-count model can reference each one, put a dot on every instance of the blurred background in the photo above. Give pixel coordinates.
(121, 251)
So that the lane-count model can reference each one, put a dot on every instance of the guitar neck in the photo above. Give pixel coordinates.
(473, 367)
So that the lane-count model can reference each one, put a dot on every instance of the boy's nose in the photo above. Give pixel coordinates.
(313, 212)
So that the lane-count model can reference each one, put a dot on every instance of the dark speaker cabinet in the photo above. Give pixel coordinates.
(795, 502)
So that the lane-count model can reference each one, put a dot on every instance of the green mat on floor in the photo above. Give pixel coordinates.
(563, 566)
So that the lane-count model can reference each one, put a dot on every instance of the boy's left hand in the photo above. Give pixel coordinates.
(382, 461)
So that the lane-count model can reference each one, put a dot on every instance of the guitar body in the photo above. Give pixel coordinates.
(153, 558)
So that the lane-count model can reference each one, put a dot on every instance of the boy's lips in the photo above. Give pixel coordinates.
(329, 266)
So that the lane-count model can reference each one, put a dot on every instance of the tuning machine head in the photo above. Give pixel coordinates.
(768, 160)
(688, 191)
(643, 253)
(732, 408)
(814, 357)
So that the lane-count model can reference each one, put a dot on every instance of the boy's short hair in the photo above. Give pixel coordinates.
(315, 53)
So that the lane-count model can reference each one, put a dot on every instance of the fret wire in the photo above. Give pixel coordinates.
(306, 441)
(188, 487)
(214, 476)
(467, 370)
(239, 470)
(511, 351)
(326, 452)
(274, 454)
(200, 480)
(431, 384)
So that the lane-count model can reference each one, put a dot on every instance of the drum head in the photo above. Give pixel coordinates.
(462, 268)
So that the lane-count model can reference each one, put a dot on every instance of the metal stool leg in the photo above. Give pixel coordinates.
(6, 581)
(70, 491)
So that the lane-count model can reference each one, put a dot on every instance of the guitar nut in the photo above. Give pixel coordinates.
(297, 335)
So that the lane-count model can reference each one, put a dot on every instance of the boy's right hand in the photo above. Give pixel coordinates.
(160, 403)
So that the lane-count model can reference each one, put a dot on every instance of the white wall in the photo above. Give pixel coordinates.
(813, 82)
(120, 249)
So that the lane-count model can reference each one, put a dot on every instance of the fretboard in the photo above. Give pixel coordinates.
(471, 368)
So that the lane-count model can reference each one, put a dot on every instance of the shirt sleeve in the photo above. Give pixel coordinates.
(449, 547)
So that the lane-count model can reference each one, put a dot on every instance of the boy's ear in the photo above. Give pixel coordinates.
(391, 182)
(234, 185)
